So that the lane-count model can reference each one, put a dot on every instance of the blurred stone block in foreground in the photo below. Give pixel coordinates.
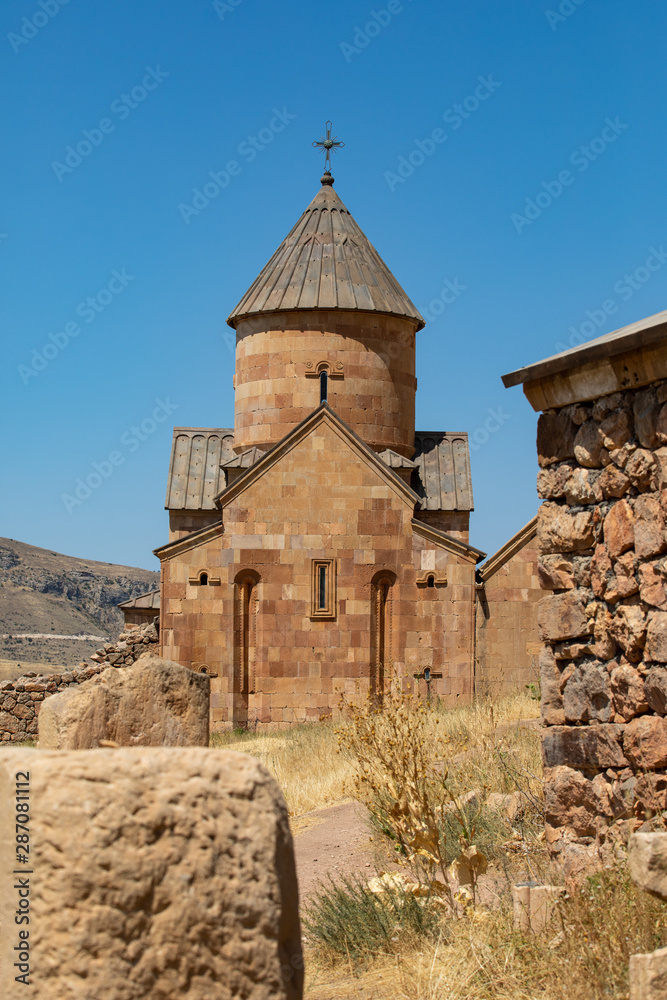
(156, 874)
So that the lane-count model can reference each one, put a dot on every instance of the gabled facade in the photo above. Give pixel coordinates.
(321, 546)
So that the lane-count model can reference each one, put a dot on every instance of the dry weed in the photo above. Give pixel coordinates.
(425, 773)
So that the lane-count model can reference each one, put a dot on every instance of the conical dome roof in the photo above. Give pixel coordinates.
(326, 262)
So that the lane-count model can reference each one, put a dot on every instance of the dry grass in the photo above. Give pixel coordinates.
(11, 669)
(312, 773)
(584, 956)
(304, 760)
(478, 954)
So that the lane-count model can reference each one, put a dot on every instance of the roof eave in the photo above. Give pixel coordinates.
(644, 333)
(235, 318)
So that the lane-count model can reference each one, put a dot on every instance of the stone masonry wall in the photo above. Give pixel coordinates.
(603, 554)
(507, 641)
(20, 699)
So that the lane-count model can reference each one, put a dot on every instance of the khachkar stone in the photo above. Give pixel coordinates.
(154, 873)
(154, 702)
(602, 452)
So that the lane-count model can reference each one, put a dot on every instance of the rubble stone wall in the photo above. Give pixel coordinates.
(20, 699)
(603, 554)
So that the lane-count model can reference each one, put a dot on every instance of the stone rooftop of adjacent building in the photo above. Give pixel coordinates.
(326, 262)
(150, 601)
(441, 478)
(643, 333)
(195, 477)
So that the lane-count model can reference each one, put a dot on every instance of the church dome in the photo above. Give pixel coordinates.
(326, 262)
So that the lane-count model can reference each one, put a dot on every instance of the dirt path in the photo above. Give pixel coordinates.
(332, 841)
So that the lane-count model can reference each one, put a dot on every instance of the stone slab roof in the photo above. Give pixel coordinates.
(441, 476)
(195, 476)
(149, 600)
(644, 333)
(326, 262)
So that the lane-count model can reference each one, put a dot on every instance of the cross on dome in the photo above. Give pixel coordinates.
(327, 144)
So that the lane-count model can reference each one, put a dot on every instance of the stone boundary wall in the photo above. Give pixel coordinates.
(20, 699)
(603, 554)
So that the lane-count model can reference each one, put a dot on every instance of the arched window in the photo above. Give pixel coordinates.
(324, 386)
(203, 579)
(431, 581)
(381, 628)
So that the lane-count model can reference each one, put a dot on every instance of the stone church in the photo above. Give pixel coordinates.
(321, 545)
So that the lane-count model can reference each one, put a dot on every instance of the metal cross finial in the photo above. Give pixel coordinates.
(328, 144)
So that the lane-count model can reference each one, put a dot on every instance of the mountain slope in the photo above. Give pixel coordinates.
(46, 593)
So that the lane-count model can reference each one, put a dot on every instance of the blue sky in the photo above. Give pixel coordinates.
(538, 200)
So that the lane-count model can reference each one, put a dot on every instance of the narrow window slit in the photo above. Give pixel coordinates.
(322, 588)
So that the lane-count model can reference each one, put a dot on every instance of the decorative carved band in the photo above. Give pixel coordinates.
(438, 577)
(315, 368)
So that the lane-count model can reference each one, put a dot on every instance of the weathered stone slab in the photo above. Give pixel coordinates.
(560, 531)
(647, 860)
(154, 702)
(571, 799)
(656, 638)
(645, 742)
(588, 445)
(534, 906)
(551, 700)
(655, 685)
(587, 694)
(563, 616)
(555, 438)
(619, 528)
(584, 746)
(158, 873)
(628, 629)
(628, 691)
(648, 976)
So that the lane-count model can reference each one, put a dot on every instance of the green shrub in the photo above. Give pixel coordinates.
(346, 919)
